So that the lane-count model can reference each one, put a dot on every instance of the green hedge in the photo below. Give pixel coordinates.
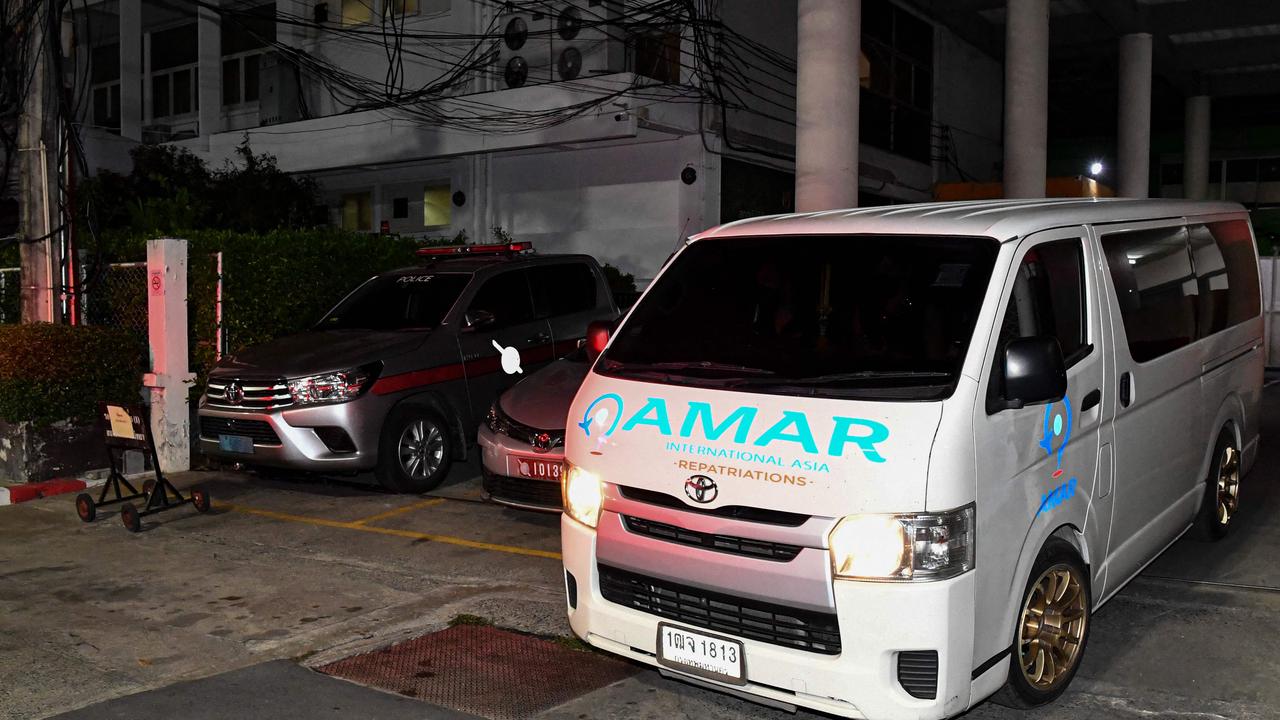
(57, 372)
(274, 283)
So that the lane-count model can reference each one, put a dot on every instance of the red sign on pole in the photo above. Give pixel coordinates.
(157, 283)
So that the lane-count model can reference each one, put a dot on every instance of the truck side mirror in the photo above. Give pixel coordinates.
(476, 319)
(598, 332)
(1034, 372)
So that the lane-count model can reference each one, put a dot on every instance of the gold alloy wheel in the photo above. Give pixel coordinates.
(1052, 628)
(1228, 484)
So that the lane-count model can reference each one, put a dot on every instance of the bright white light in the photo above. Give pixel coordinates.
(1095, 169)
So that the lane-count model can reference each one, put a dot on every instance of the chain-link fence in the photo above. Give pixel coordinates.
(118, 298)
(10, 296)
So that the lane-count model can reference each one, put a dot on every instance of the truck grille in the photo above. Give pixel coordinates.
(246, 394)
(720, 543)
(258, 430)
(540, 493)
(766, 622)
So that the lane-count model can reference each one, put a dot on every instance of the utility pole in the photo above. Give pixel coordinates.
(37, 139)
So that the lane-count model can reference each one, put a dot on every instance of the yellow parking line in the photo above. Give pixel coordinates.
(411, 534)
(399, 511)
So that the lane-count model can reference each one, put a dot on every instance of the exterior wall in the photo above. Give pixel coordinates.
(625, 204)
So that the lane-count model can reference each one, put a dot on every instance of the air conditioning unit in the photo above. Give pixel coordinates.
(277, 90)
(588, 39)
(524, 47)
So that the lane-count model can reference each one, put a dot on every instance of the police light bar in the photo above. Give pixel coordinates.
(491, 249)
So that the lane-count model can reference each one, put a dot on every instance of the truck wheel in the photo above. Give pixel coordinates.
(1052, 628)
(414, 453)
(1221, 490)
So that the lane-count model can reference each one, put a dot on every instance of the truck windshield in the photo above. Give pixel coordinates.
(397, 302)
(836, 316)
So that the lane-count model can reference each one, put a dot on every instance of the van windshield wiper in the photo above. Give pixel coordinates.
(851, 377)
(721, 370)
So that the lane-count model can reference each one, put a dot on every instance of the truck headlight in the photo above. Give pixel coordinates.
(583, 494)
(912, 546)
(334, 387)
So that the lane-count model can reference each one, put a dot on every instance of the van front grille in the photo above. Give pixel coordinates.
(748, 547)
(735, 512)
(767, 622)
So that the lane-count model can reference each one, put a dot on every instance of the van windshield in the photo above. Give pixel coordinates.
(869, 316)
(415, 301)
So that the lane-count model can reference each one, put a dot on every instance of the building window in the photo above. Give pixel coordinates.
(356, 12)
(357, 211)
(104, 76)
(173, 71)
(897, 98)
(399, 8)
(437, 207)
(655, 53)
(246, 37)
(400, 208)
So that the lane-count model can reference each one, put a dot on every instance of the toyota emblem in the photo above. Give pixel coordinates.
(542, 441)
(701, 489)
(234, 393)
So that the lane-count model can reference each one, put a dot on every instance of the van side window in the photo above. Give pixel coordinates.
(1048, 298)
(1236, 244)
(1155, 287)
(1213, 284)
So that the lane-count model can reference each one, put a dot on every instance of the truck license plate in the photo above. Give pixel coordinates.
(235, 444)
(697, 653)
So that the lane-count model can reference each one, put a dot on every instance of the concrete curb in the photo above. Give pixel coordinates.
(32, 491)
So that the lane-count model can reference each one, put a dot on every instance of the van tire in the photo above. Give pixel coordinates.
(1056, 558)
(411, 438)
(1221, 490)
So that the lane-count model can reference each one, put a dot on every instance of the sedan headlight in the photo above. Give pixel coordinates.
(496, 420)
(583, 495)
(914, 546)
(334, 387)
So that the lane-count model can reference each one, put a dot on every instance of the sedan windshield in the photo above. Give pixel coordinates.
(837, 316)
(397, 302)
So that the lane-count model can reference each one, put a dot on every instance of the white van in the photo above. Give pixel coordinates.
(884, 463)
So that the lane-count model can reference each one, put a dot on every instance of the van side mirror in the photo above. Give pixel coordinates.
(1034, 372)
(598, 332)
(476, 319)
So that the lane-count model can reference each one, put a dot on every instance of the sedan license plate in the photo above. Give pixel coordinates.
(235, 444)
(538, 468)
(698, 653)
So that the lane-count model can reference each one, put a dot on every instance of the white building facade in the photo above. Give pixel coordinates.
(599, 126)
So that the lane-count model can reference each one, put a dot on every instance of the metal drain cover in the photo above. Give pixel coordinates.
(483, 671)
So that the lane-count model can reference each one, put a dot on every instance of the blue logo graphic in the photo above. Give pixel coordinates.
(1057, 496)
(1057, 432)
(601, 416)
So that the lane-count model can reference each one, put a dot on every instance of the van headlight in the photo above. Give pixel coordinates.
(583, 494)
(912, 546)
(333, 387)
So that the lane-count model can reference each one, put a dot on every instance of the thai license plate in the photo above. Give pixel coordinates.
(698, 653)
(235, 444)
(538, 468)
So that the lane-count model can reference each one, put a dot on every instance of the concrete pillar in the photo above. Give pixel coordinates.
(1026, 98)
(169, 381)
(1195, 165)
(829, 34)
(209, 40)
(130, 16)
(1133, 159)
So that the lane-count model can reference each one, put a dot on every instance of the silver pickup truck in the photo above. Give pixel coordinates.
(398, 376)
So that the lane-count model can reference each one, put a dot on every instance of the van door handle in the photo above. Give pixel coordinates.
(1091, 400)
(539, 338)
(1126, 384)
